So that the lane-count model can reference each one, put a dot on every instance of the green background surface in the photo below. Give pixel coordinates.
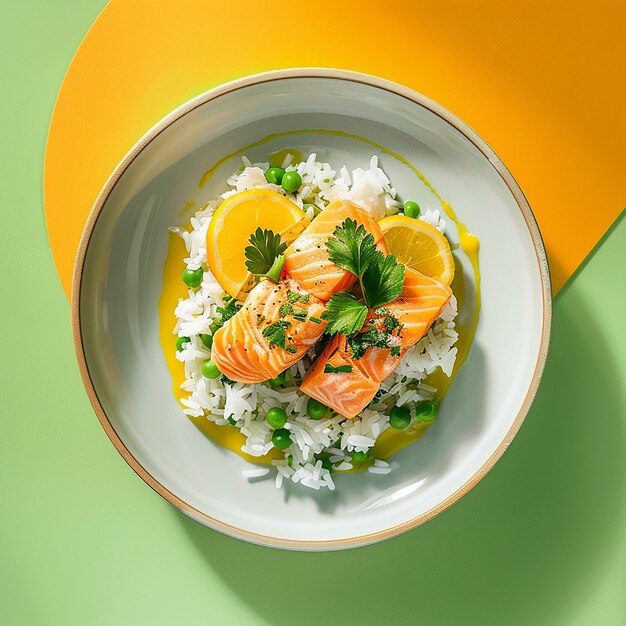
(540, 541)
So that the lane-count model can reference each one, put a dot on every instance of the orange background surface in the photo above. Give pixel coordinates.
(541, 82)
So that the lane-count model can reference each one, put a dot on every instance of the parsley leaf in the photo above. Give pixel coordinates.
(362, 341)
(345, 314)
(265, 247)
(351, 248)
(382, 280)
(275, 333)
(340, 369)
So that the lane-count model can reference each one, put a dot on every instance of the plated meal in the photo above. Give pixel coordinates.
(309, 237)
(317, 326)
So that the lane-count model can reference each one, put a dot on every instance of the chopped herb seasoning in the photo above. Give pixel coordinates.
(390, 323)
(226, 312)
(362, 341)
(340, 369)
(275, 333)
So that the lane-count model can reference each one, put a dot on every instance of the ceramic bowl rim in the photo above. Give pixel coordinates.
(267, 77)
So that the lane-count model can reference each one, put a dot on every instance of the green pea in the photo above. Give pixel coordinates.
(207, 340)
(210, 370)
(316, 410)
(427, 411)
(276, 417)
(359, 457)
(192, 278)
(399, 417)
(275, 175)
(411, 209)
(180, 342)
(291, 181)
(281, 379)
(281, 438)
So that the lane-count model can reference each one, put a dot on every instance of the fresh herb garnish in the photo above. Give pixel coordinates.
(354, 249)
(382, 280)
(263, 255)
(300, 315)
(304, 298)
(381, 277)
(291, 349)
(285, 309)
(345, 314)
(293, 296)
(373, 337)
(315, 320)
(351, 247)
(395, 351)
(340, 369)
(275, 333)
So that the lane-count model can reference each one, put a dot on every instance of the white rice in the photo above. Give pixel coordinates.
(246, 405)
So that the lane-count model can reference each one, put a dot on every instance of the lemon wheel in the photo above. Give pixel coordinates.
(420, 246)
(234, 220)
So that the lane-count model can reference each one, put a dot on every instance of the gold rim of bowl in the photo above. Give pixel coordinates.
(418, 99)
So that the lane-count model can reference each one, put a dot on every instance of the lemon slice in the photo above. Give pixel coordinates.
(235, 220)
(419, 245)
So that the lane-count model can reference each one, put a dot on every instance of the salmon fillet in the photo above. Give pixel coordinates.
(307, 257)
(243, 353)
(348, 393)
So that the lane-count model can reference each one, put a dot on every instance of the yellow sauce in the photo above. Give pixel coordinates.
(173, 289)
(276, 158)
(391, 441)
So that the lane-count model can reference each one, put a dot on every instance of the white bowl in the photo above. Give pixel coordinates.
(118, 279)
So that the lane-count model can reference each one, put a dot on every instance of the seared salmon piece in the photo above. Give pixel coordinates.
(348, 393)
(242, 351)
(307, 257)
